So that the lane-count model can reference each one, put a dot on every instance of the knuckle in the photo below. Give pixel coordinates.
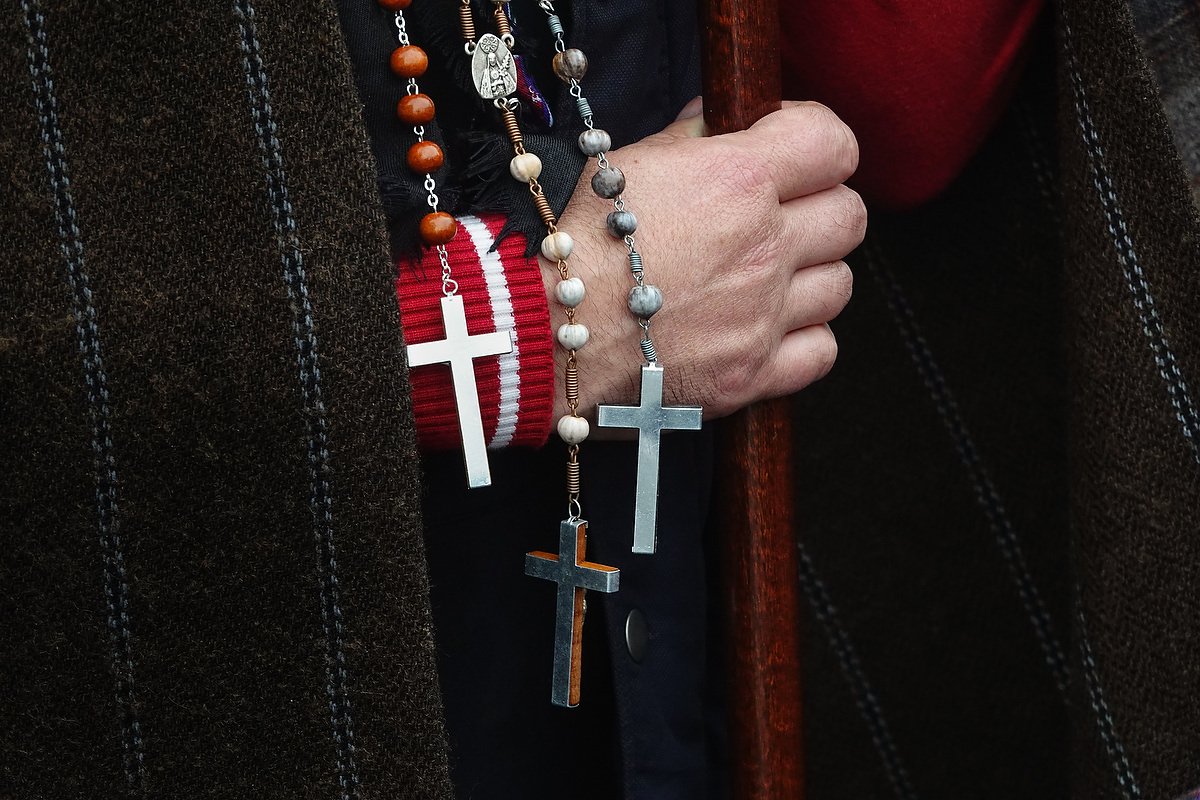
(851, 214)
(825, 353)
(737, 376)
(741, 172)
(837, 140)
(840, 285)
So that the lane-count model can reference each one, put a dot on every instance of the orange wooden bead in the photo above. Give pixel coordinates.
(438, 228)
(425, 157)
(415, 109)
(395, 5)
(409, 61)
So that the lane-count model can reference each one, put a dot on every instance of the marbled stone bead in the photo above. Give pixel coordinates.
(608, 182)
(570, 64)
(525, 166)
(570, 292)
(573, 430)
(558, 246)
(622, 224)
(645, 301)
(595, 141)
(573, 336)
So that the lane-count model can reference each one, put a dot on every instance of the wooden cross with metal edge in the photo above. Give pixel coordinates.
(459, 350)
(573, 575)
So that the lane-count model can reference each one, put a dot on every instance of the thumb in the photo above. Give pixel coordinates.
(689, 124)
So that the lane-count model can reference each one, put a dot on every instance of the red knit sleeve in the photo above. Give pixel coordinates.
(920, 83)
(501, 291)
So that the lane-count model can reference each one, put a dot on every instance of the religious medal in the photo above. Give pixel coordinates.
(493, 68)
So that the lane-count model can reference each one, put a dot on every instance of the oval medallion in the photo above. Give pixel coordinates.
(493, 68)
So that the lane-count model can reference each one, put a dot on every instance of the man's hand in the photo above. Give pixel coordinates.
(744, 234)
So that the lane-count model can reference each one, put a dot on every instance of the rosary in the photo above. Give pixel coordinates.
(458, 349)
(494, 73)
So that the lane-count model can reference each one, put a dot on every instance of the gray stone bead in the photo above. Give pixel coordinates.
(622, 224)
(595, 141)
(608, 182)
(570, 64)
(645, 301)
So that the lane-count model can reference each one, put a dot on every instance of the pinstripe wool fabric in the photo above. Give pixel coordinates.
(999, 483)
(214, 578)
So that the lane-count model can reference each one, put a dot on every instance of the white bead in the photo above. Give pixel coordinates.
(525, 166)
(570, 292)
(558, 246)
(573, 336)
(573, 430)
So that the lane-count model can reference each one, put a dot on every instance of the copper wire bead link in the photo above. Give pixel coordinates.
(512, 129)
(395, 5)
(425, 157)
(415, 109)
(466, 20)
(502, 20)
(574, 484)
(544, 210)
(572, 380)
(409, 61)
(438, 228)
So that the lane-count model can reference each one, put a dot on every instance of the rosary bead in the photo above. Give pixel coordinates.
(409, 61)
(558, 246)
(645, 301)
(573, 430)
(570, 292)
(424, 157)
(573, 336)
(395, 5)
(438, 228)
(525, 167)
(415, 109)
(595, 141)
(622, 224)
(608, 182)
(570, 65)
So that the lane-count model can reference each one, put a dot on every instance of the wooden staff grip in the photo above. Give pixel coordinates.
(740, 49)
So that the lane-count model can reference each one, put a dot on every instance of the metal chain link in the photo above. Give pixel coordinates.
(401, 29)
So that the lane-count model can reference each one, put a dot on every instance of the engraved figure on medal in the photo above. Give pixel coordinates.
(493, 68)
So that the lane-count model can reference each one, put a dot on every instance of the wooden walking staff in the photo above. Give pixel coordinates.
(740, 46)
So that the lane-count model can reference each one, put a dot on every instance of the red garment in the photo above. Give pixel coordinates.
(919, 83)
(501, 290)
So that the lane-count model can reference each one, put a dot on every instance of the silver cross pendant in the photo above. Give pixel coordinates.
(459, 350)
(573, 575)
(650, 419)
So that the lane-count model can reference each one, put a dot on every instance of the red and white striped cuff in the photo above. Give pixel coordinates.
(501, 291)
